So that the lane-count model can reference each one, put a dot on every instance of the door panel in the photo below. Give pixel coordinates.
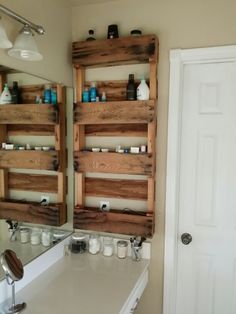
(206, 276)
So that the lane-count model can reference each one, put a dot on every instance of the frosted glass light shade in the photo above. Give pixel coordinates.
(25, 47)
(4, 41)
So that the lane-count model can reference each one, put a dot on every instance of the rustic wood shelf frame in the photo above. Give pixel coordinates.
(114, 118)
(33, 119)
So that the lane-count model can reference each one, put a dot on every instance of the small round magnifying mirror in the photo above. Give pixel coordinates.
(14, 271)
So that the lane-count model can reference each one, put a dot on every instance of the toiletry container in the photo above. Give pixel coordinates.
(108, 246)
(46, 237)
(93, 92)
(143, 91)
(85, 95)
(53, 96)
(131, 88)
(78, 243)
(15, 93)
(94, 244)
(122, 248)
(24, 235)
(47, 94)
(5, 96)
(35, 237)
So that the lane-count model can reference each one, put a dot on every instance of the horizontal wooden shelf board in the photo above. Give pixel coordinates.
(33, 182)
(115, 112)
(137, 130)
(124, 50)
(114, 222)
(28, 114)
(116, 188)
(30, 212)
(29, 159)
(31, 129)
(113, 163)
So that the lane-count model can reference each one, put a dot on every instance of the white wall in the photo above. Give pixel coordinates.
(178, 24)
(55, 44)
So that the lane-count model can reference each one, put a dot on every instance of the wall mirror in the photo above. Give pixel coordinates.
(33, 168)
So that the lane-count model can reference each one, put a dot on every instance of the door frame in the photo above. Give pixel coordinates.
(178, 59)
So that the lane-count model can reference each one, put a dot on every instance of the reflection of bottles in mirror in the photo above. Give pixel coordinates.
(15, 93)
(5, 96)
(91, 35)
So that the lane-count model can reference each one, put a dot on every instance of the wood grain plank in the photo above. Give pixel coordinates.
(125, 50)
(3, 183)
(29, 159)
(30, 212)
(29, 114)
(136, 130)
(114, 163)
(30, 129)
(33, 182)
(114, 222)
(116, 188)
(80, 189)
(3, 80)
(114, 112)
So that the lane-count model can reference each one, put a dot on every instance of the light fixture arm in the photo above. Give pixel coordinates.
(37, 28)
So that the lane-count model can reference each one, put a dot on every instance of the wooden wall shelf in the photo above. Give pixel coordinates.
(114, 221)
(139, 164)
(115, 117)
(113, 112)
(119, 51)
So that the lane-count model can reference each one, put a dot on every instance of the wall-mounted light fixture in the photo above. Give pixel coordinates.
(25, 47)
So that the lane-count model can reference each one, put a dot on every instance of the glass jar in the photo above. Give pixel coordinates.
(46, 237)
(122, 247)
(24, 235)
(94, 244)
(78, 243)
(108, 246)
(35, 238)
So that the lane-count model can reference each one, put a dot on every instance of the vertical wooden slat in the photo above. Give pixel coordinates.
(60, 146)
(151, 196)
(3, 183)
(3, 80)
(153, 80)
(80, 189)
(80, 79)
(79, 130)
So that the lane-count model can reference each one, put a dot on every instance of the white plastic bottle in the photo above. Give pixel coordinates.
(5, 96)
(143, 90)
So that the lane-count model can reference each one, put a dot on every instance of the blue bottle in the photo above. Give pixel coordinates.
(93, 92)
(85, 95)
(47, 94)
(54, 96)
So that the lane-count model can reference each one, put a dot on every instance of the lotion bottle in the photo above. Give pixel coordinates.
(5, 96)
(143, 90)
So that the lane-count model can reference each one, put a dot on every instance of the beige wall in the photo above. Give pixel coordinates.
(178, 24)
(55, 45)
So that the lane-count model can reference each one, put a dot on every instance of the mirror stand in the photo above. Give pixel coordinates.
(15, 308)
(14, 271)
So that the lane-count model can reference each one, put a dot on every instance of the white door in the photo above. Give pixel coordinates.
(205, 257)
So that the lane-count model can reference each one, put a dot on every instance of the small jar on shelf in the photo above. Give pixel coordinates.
(108, 246)
(94, 244)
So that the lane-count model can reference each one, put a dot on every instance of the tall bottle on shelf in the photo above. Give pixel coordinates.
(15, 94)
(5, 96)
(131, 88)
(143, 90)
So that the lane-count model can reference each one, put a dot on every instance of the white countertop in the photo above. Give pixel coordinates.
(83, 284)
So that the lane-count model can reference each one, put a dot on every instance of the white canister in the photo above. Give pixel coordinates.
(108, 246)
(46, 237)
(35, 237)
(24, 235)
(122, 247)
(143, 91)
(94, 244)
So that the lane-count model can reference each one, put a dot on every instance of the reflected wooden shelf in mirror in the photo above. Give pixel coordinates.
(29, 118)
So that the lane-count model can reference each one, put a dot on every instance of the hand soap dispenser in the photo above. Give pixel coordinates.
(5, 96)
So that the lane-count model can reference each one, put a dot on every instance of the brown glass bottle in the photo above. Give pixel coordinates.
(131, 88)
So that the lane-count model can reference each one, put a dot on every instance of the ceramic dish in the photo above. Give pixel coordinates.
(95, 149)
(105, 150)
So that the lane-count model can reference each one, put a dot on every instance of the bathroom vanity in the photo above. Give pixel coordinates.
(82, 283)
